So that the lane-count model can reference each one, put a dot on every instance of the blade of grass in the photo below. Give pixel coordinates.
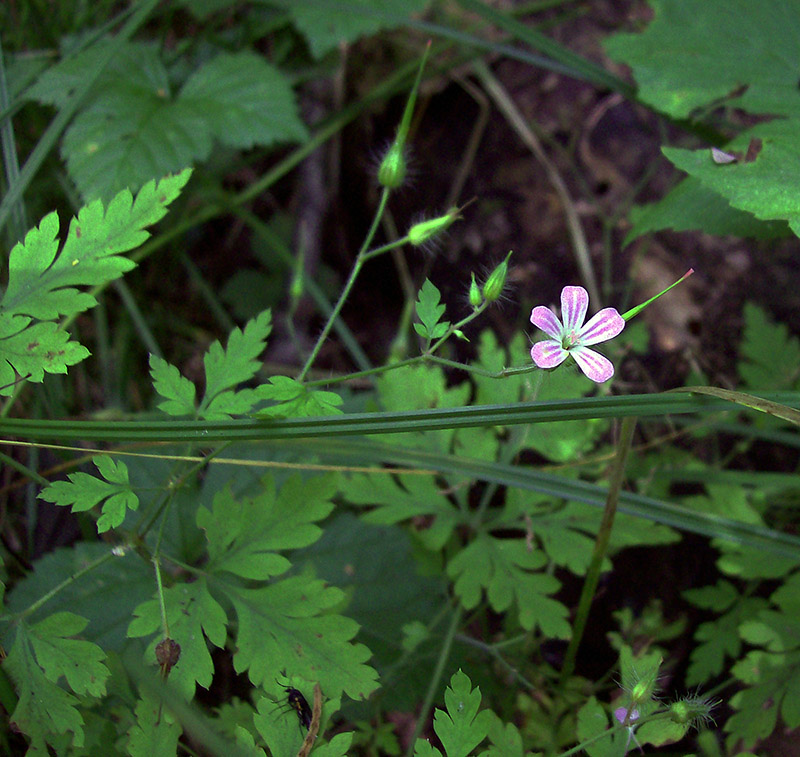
(207, 432)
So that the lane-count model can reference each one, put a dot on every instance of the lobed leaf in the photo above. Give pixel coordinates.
(84, 491)
(42, 282)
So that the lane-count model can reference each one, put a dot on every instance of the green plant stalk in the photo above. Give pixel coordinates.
(160, 590)
(436, 677)
(600, 545)
(351, 280)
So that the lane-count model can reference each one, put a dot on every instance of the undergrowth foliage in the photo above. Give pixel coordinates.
(289, 567)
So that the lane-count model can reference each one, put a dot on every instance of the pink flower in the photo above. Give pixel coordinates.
(573, 337)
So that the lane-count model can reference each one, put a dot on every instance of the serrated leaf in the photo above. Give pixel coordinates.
(132, 127)
(690, 55)
(84, 491)
(690, 206)
(719, 640)
(429, 311)
(766, 187)
(505, 569)
(294, 400)
(156, 732)
(42, 282)
(290, 625)
(38, 658)
(769, 354)
(178, 392)
(718, 598)
(328, 23)
(245, 534)
(461, 728)
(245, 101)
(234, 365)
(404, 498)
(191, 613)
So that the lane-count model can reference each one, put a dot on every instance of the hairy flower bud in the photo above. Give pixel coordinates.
(475, 296)
(424, 231)
(493, 287)
(393, 168)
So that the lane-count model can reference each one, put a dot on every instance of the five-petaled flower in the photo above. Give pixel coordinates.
(574, 337)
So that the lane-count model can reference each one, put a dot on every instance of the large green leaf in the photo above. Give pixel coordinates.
(328, 23)
(694, 52)
(134, 128)
(690, 56)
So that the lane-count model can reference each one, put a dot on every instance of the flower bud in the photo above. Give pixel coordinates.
(692, 711)
(424, 231)
(460, 335)
(475, 296)
(493, 287)
(393, 168)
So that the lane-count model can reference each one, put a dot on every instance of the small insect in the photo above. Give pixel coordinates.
(299, 704)
(721, 157)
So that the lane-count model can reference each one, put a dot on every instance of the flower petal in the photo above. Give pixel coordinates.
(574, 303)
(594, 365)
(548, 354)
(547, 321)
(603, 326)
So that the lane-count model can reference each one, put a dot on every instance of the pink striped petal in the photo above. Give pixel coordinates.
(547, 321)
(574, 304)
(596, 367)
(548, 354)
(603, 326)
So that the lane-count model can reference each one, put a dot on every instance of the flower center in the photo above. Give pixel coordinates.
(570, 339)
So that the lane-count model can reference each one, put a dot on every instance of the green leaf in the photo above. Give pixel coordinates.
(430, 311)
(237, 363)
(106, 596)
(592, 721)
(132, 127)
(690, 206)
(328, 23)
(156, 732)
(288, 625)
(178, 392)
(461, 727)
(244, 101)
(769, 354)
(403, 498)
(244, 535)
(84, 491)
(191, 613)
(505, 737)
(772, 681)
(39, 656)
(294, 400)
(766, 187)
(42, 282)
(690, 55)
(505, 568)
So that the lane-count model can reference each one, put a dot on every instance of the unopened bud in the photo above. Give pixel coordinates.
(393, 167)
(424, 231)
(461, 335)
(493, 287)
(475, 296)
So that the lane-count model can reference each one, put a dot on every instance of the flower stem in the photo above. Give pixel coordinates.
(600, 545)
(359, 262)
